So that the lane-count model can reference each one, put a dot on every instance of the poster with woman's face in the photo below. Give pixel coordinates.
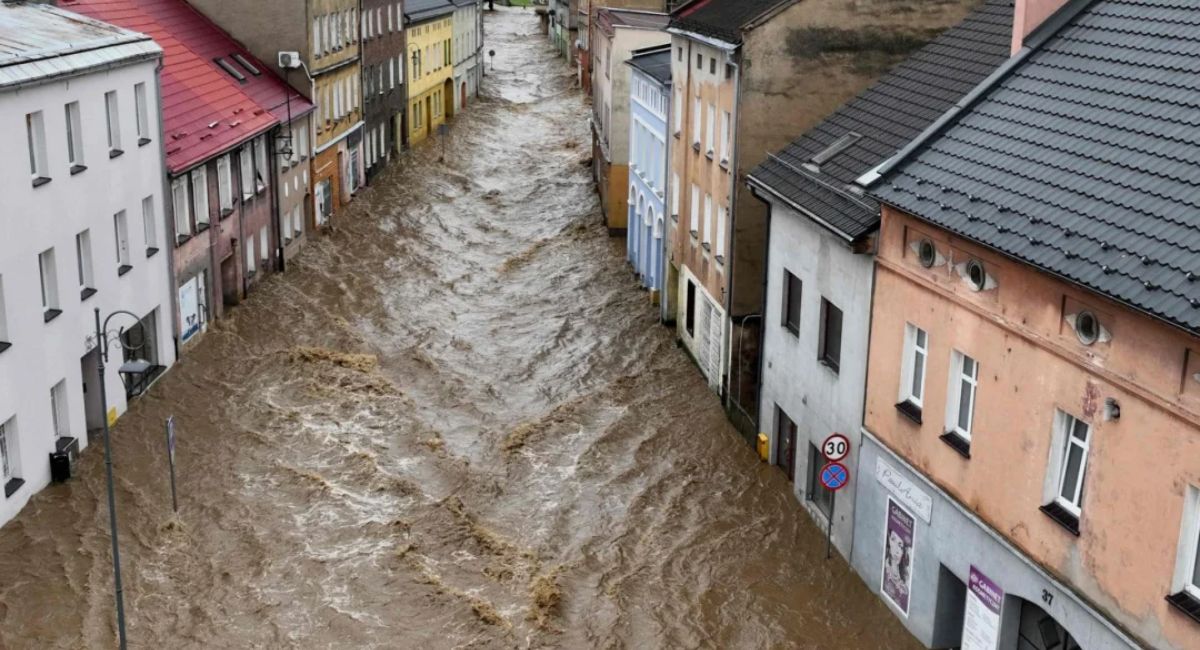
(898, 555)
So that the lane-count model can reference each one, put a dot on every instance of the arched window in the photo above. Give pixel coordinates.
(657, 220)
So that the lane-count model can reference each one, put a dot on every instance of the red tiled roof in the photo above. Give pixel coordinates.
(205, 110)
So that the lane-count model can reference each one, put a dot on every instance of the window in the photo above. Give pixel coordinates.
(916, 350)
(793, 291)
(818, 494)
(199, 178)
(260, 164)
(143, 114)
(316, 37)
(696, 123)
(251, 266)
(679, 50)
(5, 342)
(960, 406)
(121, 230)
(49, 278)
(720, 251)
(58, 410)
(112, 112)
(1073, 436)
(83, 264)
(726, 126)
(710, 129)
(9, 458)
(74, 138)
(181, 206)
(246, 65)
(785, 443)
(831, 335)
(247, 158)
(707, 226)
(1187, 571)
(675, 196)
(690, 314)
(230, 70)
(264, 246)
(35, 130)
(695, 205)
(224, 185)
(678, 112)
(301, 151)
(699, 61)
(149, 226)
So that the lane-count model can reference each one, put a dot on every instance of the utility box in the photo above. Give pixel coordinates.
(64, 459)
(764, 447)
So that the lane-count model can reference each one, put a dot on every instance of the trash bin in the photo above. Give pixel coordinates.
(764, 447)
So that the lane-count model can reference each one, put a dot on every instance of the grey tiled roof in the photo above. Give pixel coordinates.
(654, 61)
(888, 115)
(721, 19)
(416, 11)
(1084, 160)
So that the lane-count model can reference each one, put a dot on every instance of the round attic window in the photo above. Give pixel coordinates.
(926, 253)
(1087, 327)
(976, 275)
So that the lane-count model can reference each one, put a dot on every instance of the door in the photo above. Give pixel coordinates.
(785, 437)
(229, 281)
(1039, 631)
(464, 94)
(93, 410)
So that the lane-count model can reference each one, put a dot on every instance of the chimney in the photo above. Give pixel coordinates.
(1028, 15)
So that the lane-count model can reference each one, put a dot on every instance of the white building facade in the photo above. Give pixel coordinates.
(649, 106)
(467, 46)
(84, 229)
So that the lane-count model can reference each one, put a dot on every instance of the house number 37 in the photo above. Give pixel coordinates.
(1047, 597)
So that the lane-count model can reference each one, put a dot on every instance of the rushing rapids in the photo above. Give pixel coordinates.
(455, 422)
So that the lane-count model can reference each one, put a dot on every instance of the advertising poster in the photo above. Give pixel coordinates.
(898, 549)
(189, 309)
(981, 621)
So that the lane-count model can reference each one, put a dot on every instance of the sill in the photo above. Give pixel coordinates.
(261, 189)
(696, 147)
(113, 153)
(40, 181)
(675, 218)
(226, 212)
(724, 164)
(832, 365)
(709, 155)
(1186, 603)
(720, 260)
(707, 247)
(123, 269)
(247, 197)
(677, 134)
(11, 487)
(1062, 517)
(250, 275)
(695, 234)
(85, 293)
(957, 443)
(180, 240)
(910, 411)
(78, 169)
(794, 329)
(151, 252)
(51, 314)
(143, 142)
(4, 345)
(202, 226)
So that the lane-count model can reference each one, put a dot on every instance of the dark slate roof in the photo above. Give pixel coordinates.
(1083, 160)
(416, 11)
(721, 19)
(655, 62)
(888, 115)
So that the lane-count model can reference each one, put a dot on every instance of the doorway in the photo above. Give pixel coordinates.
(93, 409)
(1039, 631)
(229, 281)
(427, 123)
(785, 443)
(464, 94)
(448, 97)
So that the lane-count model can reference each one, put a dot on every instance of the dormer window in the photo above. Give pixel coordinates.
(926, 253)
(976, 276)
(1087, 327)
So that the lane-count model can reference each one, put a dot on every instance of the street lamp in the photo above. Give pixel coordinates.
(103, 341)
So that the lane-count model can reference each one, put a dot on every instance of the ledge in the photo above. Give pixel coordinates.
(202, 226)
(707, 247)
(724, 164)
(85, 293)
(720, 260)
(957, 443)
(1186, 603)
(4, 345)
(225, 212)
(11, 487)
(910, 411)
(143, 142)
(710, 155)
(833, 367)
(113, 153)
(180, 240)
(40, 181)
(1062, 517)
(78, 169)
(51, 314)
(123, 269)
(151, 251)
(696, 147)
(695, 234)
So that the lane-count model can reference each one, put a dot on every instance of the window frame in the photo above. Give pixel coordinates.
(785, 316)
(823, 350)
(35, 132)
(48, 275)
(121, 237)
(912, 335)
(1066, 423)
(74, 133)
(954, 395)
(112, 113)
(83, 261)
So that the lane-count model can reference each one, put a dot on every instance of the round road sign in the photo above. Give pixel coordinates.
(835, 447)
(835, 476)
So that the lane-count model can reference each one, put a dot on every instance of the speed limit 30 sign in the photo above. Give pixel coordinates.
(836, 447)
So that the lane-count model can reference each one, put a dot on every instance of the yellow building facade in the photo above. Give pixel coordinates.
(431, 71)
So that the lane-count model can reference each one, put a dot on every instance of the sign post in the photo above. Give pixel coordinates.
(171, 459)
(834, 476)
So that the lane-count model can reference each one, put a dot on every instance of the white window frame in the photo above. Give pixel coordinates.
(959, 378)
(260, 165)
(912, 335)
(706, 233)
(181, 206)
(1187, 562)
(112, 112)
(74, 134)
(143, 112)
(695, 210)
(264, 246)
(698, 121)
(719, 246)
(60, 410)
(10, 463)
(246, 156)
(710, 129)
(121, 234)
(251, 258)
(3, 315)
(48, 275)
(83, 260)
(35, 131)
(675, 195)
(149, 224)
(1065, 440)
(199, 181)
(726, 128)
(224, 183)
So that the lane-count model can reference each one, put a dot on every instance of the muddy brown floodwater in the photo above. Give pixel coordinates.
(455, 422)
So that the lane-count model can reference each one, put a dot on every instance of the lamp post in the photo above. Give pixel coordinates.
(102, 343)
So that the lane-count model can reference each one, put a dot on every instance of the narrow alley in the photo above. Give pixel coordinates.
(455, 423)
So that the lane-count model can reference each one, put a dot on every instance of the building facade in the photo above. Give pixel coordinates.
(84, 230)
(429, 28)
(467, 46)
(385, 96)
(1031, 475)
(618, 33)
(821, 236)
(649, 106)
(325, 36)
(221, 156)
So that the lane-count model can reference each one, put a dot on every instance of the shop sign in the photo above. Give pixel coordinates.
(904, 490)
(981, 621)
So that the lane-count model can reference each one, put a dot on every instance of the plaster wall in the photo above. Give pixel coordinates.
(819, 400)
(292, 188)
(1139, 466)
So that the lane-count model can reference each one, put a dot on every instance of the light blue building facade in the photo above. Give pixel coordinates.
(650, 104)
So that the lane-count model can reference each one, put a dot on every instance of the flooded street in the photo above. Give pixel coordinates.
(455, 422)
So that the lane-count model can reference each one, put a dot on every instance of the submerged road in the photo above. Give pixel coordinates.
(455, 422)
